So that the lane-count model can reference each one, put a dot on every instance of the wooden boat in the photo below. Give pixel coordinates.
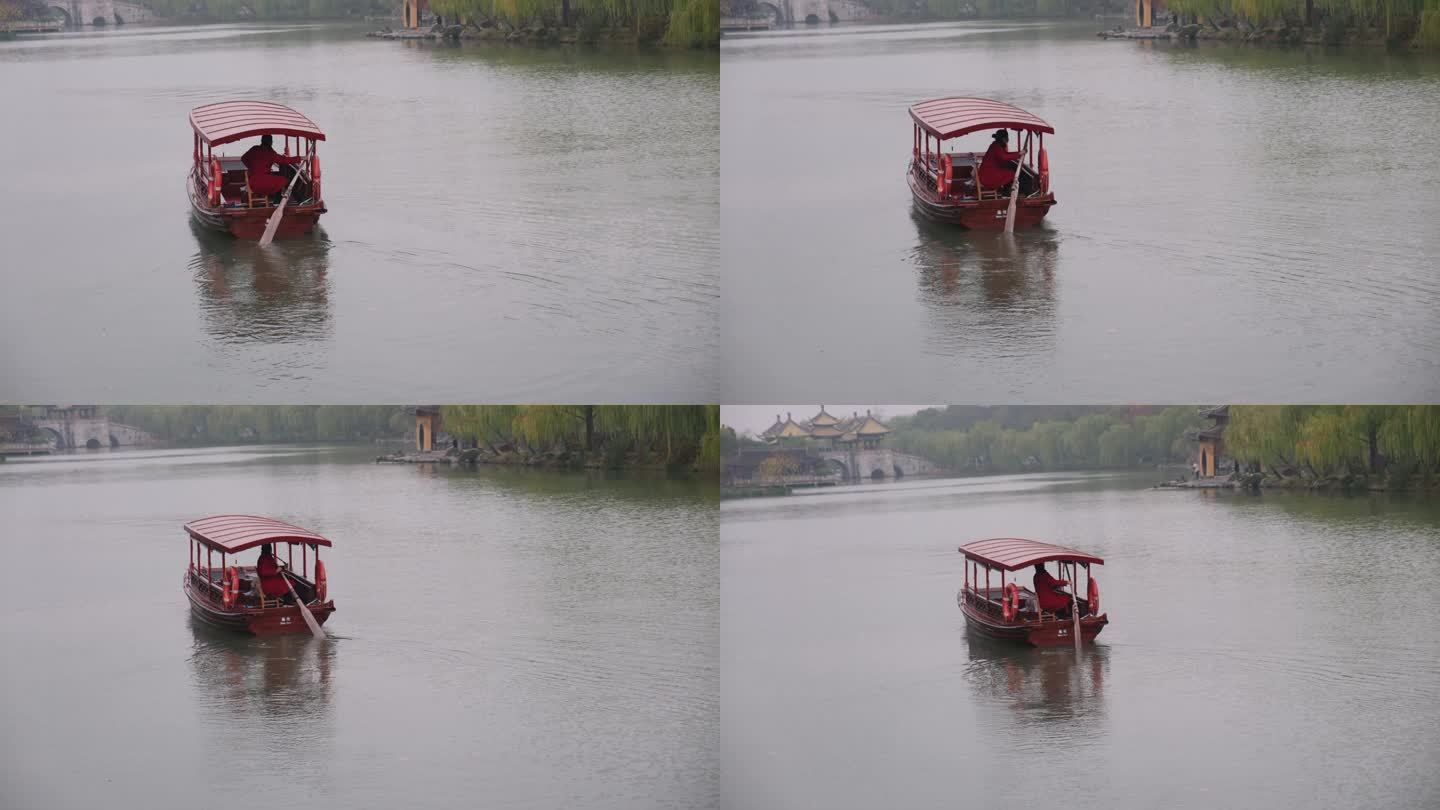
(1010, 611)
(946, 185)
(219, 184)
(229, 595)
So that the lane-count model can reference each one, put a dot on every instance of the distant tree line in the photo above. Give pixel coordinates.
(232, 10)
(1013, 439)
(692, 23)
(1341, 443)
(262, 424)
(674, 435)
(960, 9)
(1021, 439)
(1416, 21)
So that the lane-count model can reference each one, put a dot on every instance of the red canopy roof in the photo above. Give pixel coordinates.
(1013, 553)
(233, 120)
(234, 533)
(953, 117)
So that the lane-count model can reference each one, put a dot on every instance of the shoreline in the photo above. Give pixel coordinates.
(1255, 482)
(559, 461)
(1238, 31)
(531, 36)
(1246, 33)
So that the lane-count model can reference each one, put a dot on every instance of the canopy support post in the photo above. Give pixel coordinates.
(1075, 604)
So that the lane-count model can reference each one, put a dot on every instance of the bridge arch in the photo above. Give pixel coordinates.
(64, 12)
(774, 10)
(92, 443)
(55, 436)
(877, 474)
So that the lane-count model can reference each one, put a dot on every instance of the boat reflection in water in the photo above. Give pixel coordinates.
(990, 290)
(1042, 686)
(252, 295)
(264, 696)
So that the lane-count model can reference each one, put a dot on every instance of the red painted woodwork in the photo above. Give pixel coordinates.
(218, 185)
(985, 610)
(205, 586)
(943, 185)
(228, 121)
(947, 118)
(1014, 553)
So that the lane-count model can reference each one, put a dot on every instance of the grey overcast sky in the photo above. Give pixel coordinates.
(756, 418)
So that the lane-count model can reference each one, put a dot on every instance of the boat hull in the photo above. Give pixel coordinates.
(249, 223)
(1053, 633)
(979, 215)
(254, 621)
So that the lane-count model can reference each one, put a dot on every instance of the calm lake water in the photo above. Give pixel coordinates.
(1233, 222)
(501, 639)
(1263, 651)
(542, 220)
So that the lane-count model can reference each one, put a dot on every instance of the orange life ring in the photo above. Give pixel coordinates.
(1010, 604)
(315, 174)
(945, 176)
(231, 578)
(1094, 597)
(1044, 171)
(214, 186)
(322, 583)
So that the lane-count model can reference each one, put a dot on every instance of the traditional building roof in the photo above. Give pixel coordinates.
(1219, 412)
(825, 426)
(785, 430)
(1211, 434)
(867, 426)
(823, 419)
(871, 427)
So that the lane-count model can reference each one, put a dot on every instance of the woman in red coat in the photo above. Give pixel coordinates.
(272, 582)
(998, 166)
(259, 159)
(1050, 591)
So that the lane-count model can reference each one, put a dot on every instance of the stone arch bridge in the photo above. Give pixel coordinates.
(90, 432)
(878, 463)
(84, 12)
(789, 12)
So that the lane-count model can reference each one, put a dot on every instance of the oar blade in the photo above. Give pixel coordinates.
(272, 225)
(305, 611)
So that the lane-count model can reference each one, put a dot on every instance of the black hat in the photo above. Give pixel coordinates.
(1001, 135)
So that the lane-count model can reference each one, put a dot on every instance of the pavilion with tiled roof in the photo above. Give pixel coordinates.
(856, 431)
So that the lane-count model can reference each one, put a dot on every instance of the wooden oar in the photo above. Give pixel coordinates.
(273, 224)
(1015, 187)
(304, 611)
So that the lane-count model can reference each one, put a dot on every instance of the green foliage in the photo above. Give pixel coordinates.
(677, 434)
(1397, 19)
(1020, 438)
(231, 10)
(692, 23)
(1337, 440)
(258, 424)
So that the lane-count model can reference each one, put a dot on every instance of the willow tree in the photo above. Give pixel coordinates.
(1337, 439)
(587, 427)
(684, 22)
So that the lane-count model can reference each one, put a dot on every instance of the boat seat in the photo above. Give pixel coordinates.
(254, 200)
